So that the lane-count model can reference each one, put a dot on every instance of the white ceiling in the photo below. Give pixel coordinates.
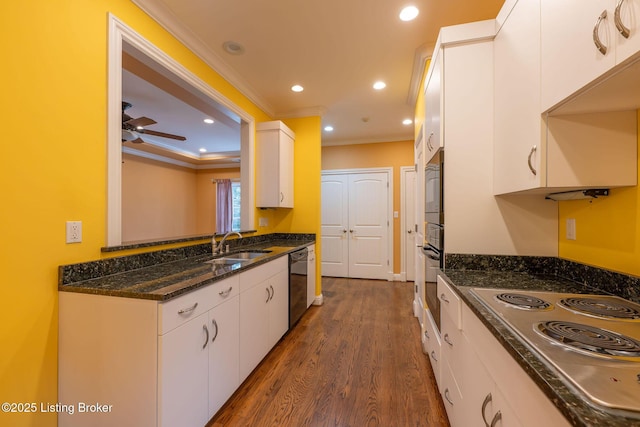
(336, 49)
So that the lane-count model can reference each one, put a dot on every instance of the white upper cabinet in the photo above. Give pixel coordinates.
(433, 107)
(517, 126)
(539, 62)
(581, 41)
(274, 165)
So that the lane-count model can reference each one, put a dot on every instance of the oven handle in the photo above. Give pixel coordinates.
(430, 252)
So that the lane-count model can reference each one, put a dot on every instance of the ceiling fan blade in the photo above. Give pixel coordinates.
(140, 121)
(162, 134)
(138, 140)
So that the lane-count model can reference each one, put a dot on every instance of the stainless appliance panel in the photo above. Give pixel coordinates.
(297, 285)
(606, 381)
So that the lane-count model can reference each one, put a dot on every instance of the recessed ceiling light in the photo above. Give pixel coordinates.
(379, 85)
(328, 128)
(234, 48)
(407, 122)
(409, 13)
(203, 150)
(139, 127)
(297, 88)
(208, 121)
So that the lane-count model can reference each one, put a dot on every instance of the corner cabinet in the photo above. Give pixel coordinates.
(172, 363)
(481, 384)
(536, 152)
(274, 165)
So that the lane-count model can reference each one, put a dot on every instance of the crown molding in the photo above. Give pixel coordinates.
(160, 13)
(303, 112)
(422, 53)
(377, 140)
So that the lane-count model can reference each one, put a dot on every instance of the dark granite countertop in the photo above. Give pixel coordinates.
(573, 406)
(167, 274)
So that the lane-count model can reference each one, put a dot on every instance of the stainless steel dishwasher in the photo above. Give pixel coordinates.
(297, 285)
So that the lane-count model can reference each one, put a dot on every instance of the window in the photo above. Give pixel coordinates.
(235, 202)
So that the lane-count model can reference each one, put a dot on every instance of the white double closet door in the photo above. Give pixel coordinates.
(356, 224)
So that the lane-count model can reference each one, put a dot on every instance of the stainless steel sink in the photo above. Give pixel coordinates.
(237, 257)
(246, 255)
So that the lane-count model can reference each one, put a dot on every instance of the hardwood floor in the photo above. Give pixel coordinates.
(355, 361)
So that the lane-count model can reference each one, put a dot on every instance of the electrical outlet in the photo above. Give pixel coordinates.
(571, 229)
(74, 231)
(263, 222)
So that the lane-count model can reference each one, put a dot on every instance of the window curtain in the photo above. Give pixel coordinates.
(224, 210)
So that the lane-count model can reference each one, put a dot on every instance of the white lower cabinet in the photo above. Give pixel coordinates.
(481, 384)
(264, 312)
(170, 363)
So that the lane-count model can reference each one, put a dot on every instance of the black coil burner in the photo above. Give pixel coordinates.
(526, 302)
(590, 339)
(601, 308)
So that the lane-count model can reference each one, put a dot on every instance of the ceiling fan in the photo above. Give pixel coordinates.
(132, 128)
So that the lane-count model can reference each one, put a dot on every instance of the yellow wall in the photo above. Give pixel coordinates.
(384, 154)
(607, 230)
(54, 110)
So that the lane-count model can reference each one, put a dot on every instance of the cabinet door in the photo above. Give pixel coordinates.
(311, 275)
(183, 374)
(278, 307)
(254, 327)
(433, 108)
(517, 121)
(570, 58)
(224, 353)
(286, 172)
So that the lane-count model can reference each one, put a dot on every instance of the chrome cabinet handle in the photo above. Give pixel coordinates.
(497, 417)
(215, 325)
(281, 196)
(531, 168)
(596, 38)
(344, 230)
(622, 29)
(433, 355)
(409, 231)
(429, 145)
(487, 400)
(426, 335)
(446, 396)
(443, 297)
(207, 339)
(268, 294)
(188, 310)
(272, 292)
(226, 292)
(448, 340)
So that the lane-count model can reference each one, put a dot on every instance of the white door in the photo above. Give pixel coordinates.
(335, 222)
(355, 225)
(409, 221)
(368, 225)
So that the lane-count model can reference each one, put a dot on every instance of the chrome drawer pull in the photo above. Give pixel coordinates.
(622, 29)
(433, 355)
(448, 340)
(531, 168)
(446, 396)
(484, 407)
(596, 38)
(272, 292)
(226, 292)
(215, 325)
(496, 418)
(206, 339)
(443, 297)
(426, 335)
(268, 295)
(188, 310)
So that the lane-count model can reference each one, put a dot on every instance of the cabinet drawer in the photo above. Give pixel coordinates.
(451, 396)
(225, 289)
(250, 278)
(449, 303)
(431, 344)
(175, 312)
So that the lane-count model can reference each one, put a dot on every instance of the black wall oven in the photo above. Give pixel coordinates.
(433, 248)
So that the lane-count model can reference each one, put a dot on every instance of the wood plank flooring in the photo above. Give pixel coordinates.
(355, 361)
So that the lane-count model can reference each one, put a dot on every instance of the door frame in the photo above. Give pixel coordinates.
(389, 172)
(403, 222)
